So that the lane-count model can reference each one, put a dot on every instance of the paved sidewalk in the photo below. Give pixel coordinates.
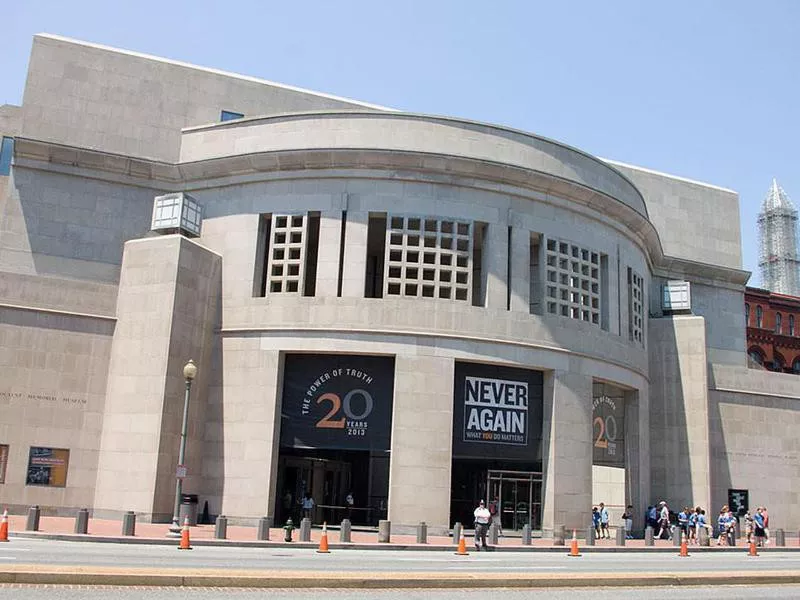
(109, 530)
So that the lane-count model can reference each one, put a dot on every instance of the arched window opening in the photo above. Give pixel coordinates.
(778, 363)
(759, 316)
(778, 323)
(755, 358)
(796, 366)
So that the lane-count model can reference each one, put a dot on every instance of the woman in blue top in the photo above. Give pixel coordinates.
(596, 522)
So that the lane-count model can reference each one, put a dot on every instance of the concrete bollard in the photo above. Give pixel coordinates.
(558, 536)
(32, 522)
(384, 531)
(780, 537)
(676, 537)
(221, 527)
(82, 521)
(702, 537)
(648, 536)
(305, 529)
(264, 524)
(494, 531)
(526, 535)
(422, 533)
(129, 523)
(590, 532)
(457, 532)
(345, 532)
(620, 536)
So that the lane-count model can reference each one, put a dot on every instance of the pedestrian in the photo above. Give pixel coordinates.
(627, 519)
(758, 526)
(766, 524)
(494, 510)
(349, 502)
(725, 527)
(604, 518)
(651, 517)
(482, 518)
(683, 522)
(748, 527)
(663, 521)
(596, 521)
(308, 506)
(693, 515)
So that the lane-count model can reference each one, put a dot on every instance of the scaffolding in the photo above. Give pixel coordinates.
(777, 233)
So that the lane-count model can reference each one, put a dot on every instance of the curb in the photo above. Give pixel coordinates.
(31, 575)
(76, 537)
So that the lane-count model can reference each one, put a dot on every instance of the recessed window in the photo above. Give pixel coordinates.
(229, 115)
(759, 316)
(791, 324)
(47, 466)
(6, 151)
(778, 323)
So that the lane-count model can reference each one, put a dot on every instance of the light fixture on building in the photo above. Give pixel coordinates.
(177, 213)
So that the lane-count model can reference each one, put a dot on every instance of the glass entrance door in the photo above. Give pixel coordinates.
(518, 498)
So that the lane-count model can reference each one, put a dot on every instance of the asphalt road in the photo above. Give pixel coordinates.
(22, 551)
(156, 593)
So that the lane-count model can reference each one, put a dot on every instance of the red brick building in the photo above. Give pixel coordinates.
(773, 330)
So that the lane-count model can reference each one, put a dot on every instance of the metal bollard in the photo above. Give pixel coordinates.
(590, 532)
(649, 540)
(345, 534)
(384, 531)
(82, 521)
(32, 523)
(526, 535)
(676, 537)
(780, 537)
(305, 529)
(620, 536)
(129, 523)
(221, 527)
(264, 523)
(493, 533)
(702, 536)
(422, 533)
(457, 532)
(558, 536)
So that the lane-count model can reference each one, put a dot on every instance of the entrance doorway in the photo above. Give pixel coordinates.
(519, 498)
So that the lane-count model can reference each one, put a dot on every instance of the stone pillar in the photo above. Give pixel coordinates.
(495, 266)
(422, 533)
(345, 532)
(780, 537)
(129, 523)
(264, 523)
(620, 536)
(355, 254)
(330, 242)
(384, 531)
(558, 536)
(221, 527)
(419, 469)
(567, 450)
(637, 462)
(166, 314)
(305, 529)
(702, 536)
(649, 538)
(590, 533)
(520, 276)
(82, 521)
(526, 535)
(457, 528)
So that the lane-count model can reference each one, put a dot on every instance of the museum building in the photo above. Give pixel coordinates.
(417, 310)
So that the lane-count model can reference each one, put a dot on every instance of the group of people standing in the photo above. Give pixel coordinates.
(691, 520)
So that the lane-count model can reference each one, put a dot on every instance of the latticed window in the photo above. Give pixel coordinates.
(573, 278)
(287, 255)
(428, 258)
(635, 306)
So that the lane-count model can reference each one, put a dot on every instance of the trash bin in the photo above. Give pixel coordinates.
(188, 508)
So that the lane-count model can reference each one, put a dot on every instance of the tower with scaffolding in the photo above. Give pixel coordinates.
(777, 232)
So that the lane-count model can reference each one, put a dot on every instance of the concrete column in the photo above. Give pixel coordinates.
(421, 455)
(637, 453)
(567, 450)
(520, 276)
(330, 242)
(166, 308)
(355, 254)
(495, 266)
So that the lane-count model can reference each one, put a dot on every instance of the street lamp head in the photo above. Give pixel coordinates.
(189, 370)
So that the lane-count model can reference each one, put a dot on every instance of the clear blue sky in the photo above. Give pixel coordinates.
(704, 89)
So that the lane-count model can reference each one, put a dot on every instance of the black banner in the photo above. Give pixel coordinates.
(337, 401)
(497, 412)
(608, 429)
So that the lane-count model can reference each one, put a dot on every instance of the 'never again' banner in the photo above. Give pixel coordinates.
(497, 412)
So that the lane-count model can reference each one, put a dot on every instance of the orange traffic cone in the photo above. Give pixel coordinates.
(684, 546)
(752, 551)
(462, 545)
(185, 536)
(323, 542)
(573, 547)
(4, 527)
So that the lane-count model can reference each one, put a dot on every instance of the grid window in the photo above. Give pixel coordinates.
(573, 278)
(635, 306)
(428, 258)
(288, 253)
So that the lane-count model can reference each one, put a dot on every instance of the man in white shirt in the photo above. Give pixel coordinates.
(482, 518)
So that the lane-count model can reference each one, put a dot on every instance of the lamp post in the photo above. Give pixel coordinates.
(189, 373)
